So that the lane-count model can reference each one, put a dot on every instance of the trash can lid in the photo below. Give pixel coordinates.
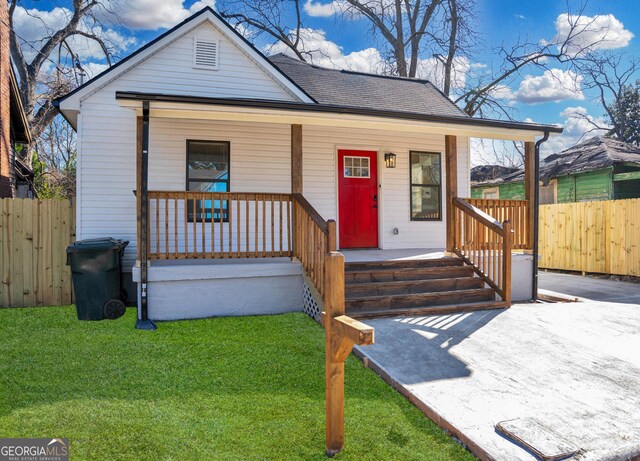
(107, 243)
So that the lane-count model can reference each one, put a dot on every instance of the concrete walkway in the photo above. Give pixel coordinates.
(573, 367)
(590, 287)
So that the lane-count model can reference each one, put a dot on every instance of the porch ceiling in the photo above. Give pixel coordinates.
(186, 107)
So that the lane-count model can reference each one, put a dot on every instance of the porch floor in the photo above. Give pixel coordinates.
(376, 254)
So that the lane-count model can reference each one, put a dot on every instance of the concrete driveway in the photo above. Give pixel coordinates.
(590, 287)
(574, 368)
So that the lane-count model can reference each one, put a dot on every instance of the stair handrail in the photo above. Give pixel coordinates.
(485, 244)
(313, 239)
(314, 244)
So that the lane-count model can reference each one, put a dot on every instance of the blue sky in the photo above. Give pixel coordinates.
(498, 21)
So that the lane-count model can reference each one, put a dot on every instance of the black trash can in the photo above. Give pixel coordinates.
(96, 269)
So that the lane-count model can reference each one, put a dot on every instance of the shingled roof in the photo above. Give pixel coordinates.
(484, 173)
(356, 89)
(592, 154)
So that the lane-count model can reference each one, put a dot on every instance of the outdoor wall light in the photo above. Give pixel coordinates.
(390, 160)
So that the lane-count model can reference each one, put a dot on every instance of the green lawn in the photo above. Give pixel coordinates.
(248, 388)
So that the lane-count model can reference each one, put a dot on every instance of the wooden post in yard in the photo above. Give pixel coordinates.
(341, 334)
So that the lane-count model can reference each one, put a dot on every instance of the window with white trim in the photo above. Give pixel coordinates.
(492, 193)
(426, 186)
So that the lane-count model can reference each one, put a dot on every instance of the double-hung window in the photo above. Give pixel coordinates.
(426, 186)
(208, 171)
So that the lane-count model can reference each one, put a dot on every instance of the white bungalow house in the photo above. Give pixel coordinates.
(234, 174)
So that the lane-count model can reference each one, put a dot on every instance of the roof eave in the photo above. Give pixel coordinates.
(18, 112)
(531, 130)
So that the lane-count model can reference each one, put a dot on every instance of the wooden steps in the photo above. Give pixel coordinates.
(431, 310)
(414, 287)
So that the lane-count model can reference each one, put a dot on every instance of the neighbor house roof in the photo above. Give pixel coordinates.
(593, 154)
(483, 173)
(357, 89)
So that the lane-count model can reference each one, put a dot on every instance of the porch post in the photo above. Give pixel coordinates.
(296, 159)
(138, 186)
(451, 188)
(530, 189)
(142, 164)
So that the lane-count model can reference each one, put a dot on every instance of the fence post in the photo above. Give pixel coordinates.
(334, 370)
(341, 333)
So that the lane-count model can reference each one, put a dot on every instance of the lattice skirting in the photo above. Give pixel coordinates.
(310, 305)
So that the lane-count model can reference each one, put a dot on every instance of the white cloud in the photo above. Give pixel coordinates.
(323, 52)
(200, 4)
(94, 68)
(151, 14)
(432, 69)
(578, 126)
(34, 26)
(553, 85)
(591, 32)
(324, 10)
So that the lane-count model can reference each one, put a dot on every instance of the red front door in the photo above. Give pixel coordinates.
(358, 199)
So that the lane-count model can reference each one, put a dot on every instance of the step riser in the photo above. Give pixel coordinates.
(422, 263)
(413, 287)
(407, 275)
(419, 300)
(434, 310)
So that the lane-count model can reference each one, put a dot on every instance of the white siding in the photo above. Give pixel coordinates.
(171, 71)
(260, 162)
(260, 153)
(107, 132)
(320, 147)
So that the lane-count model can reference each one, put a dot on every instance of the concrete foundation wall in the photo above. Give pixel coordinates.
(521, 277)
(198, 289)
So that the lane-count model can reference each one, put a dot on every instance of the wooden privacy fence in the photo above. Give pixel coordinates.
(34, 235)
(600, 237)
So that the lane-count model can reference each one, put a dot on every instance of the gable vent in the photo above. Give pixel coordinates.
(205, 54)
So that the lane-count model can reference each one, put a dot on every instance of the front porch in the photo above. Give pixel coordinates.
(261, 221)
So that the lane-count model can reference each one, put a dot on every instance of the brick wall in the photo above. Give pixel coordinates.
(6, 189)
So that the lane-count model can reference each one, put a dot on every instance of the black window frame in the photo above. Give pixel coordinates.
(197, 215)
(412, 185)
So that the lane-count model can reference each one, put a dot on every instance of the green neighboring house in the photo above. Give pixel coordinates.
(599, 168)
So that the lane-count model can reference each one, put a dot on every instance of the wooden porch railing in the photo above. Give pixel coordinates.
(314, 244)
(190, 225)
(514, 211)
(313, 239)
(485, 244)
